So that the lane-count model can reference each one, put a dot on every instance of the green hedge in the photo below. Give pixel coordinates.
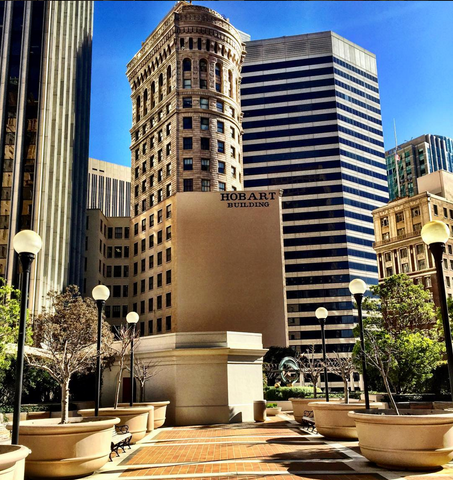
(285, 393)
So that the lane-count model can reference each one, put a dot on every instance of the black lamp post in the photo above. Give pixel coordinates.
(358, 287)
(321, 314)
(435, 234)
(100, 294)
(27, 244)
(132, 319)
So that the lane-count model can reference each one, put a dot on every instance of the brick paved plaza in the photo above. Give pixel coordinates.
(276, 450)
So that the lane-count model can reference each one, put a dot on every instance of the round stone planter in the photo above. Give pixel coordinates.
(300, 405)
(135, 417)
(12, 461)
(414, 440)
(150, 422)
(332, 420)
(75, 449)
(273, 411)
(160, 411)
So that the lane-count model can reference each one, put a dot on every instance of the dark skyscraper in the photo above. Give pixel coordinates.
(45, 78)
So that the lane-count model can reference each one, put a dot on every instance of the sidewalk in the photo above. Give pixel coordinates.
(276, 450)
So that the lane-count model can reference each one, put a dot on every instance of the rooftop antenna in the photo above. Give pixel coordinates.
(397, 158)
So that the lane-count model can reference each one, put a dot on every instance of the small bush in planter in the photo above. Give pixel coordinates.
(285, 393)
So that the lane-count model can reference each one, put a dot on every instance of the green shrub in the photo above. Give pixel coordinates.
(285, 393)
(271, 405)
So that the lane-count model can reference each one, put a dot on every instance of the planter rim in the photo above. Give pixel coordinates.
(341, 405)
(76, 424)
(10, 454)
(138, 404)
(389, 417)
(115, 411)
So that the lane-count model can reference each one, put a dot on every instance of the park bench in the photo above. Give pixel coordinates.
(308, 420)
(121, 437)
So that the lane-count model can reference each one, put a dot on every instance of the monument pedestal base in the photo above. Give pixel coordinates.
(208, 377)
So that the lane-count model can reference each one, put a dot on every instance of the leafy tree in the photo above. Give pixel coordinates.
(400, 342)
(65, 337)
(401, 305)
(9, 321)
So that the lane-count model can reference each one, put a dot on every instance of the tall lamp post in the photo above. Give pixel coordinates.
(321, 314)
(435, 234)
(27, 244)
(101, 294)
(132, 319)
(358, 287)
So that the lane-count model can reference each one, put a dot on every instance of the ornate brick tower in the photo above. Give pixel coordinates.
(185, 136)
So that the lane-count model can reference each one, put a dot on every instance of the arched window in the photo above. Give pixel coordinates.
(215, 47)
(145, 101)
(186, 65)
(137, 108)
(161, 80)
(169, 79)
(203, 65)
(218, 77)
(230, 83)
(190, 44)
(208, 45)
(153, 92)
(199, 44)
(181, 42)
(153, 88)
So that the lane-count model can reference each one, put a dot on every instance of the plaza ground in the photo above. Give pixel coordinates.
(278, 449)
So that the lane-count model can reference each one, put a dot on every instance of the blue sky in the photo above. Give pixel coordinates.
(413, 42)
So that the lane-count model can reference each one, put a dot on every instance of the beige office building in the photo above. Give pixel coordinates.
(397, 225)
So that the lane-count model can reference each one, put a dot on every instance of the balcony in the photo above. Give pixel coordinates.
(397, 238)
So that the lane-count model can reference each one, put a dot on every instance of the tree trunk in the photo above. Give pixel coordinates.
(118, 385)
(389, 393)
(346, 391)
(142, 392)
(314, 388)
(65, 401)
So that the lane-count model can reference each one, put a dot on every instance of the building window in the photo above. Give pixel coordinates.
(151, 283)
(188, 185)
(233, 171)
(222, 186)
(159, 237)
(205, 164)
(387, 257)
(159, 216)
(168, 167)
(168, 190)
(168, 149)
(220, 127)
(187, 123)
(151, 261)
(187, 143)
(168, 233)
(168, 323)
(232, 132)
(384, 221)
(168, 255)
(159, 302)
(403, 253)
(386, 236)
(188, 164)
(159, 280)
(160, 195)
(422, 264)
(205, 185)
(389, 272)
(417, 227)
(168, 300)
(186, 65)
(405, 267)
(187, 102)
(168, 211)
(415, 212)
(219, 106)
(151, 220)
(204, 103)
(118, 232)
(401, 231)
(419, 249)
(159, 325)
(187, 83)
(204, 123)
(220, 146)
(204, 143)
(168, 277)
(233, 152)
(221, 167)
(203, 83)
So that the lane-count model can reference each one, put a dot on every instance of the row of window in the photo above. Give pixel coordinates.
(152, 306)
(187, 102)
(205, 166)
(160, 157)
(205, 185)
(187, 124)
(158, 284)
(209, 46)
(150, 100)
(152, 123)
(153, 199)
(120, 232)
(159, 240)
(159, 261)
(205, 144)
(153, 179)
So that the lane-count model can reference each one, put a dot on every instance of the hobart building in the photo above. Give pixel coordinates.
(185, 147)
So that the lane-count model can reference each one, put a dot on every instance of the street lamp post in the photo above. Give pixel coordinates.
(321, 314)
(132, 319)
(27, 244)
(435, 234)
(100, 294)
(358, 287)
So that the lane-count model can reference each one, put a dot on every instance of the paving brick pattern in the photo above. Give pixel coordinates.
(276, 450)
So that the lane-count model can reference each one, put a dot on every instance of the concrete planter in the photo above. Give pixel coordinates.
(332, 420)
(273, 411)
(12, 461)
(135, 417)
(160, 412)
(150, 422)
(75, 449)
(415, 440)
(300, 405)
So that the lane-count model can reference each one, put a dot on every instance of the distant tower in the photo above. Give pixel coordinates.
(45, 76)
(186, 129)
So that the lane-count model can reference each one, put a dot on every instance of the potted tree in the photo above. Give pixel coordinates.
(398, 343)
(135, 417)
(12, 457)
(331, 418)
(65, 338)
